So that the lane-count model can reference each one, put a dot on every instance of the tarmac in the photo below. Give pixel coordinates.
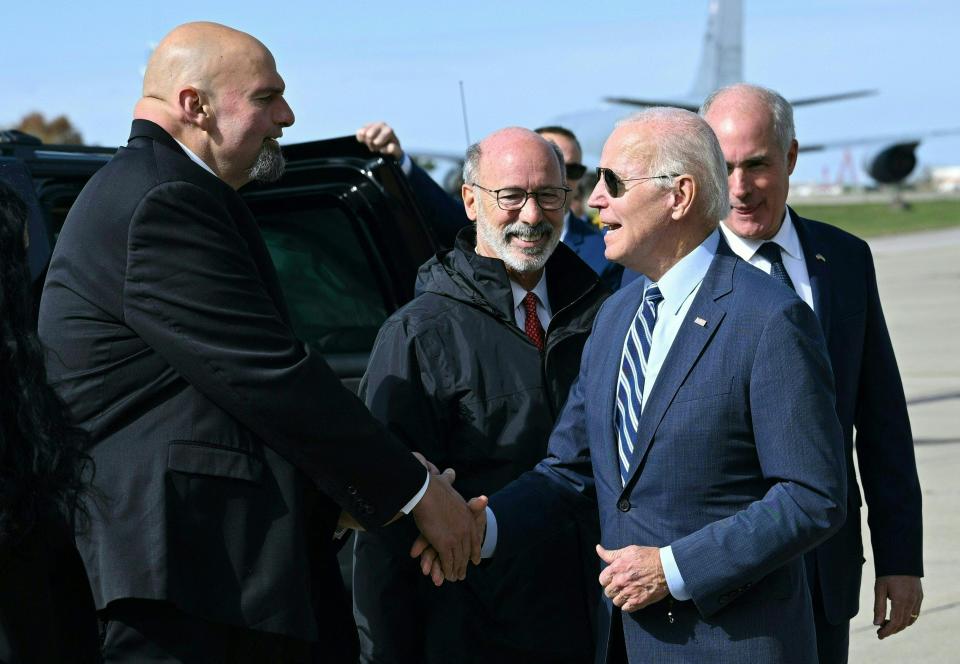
(919, 282)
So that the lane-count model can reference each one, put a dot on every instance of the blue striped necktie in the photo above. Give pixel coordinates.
(633, 368)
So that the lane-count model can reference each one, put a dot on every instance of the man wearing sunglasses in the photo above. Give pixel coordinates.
(473, 374)
(832, 271)
(578, 233)
(701, 425)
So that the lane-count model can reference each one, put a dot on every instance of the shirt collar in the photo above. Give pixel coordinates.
(540, 290)
(786, 237)
(681, 279)
(194, 158)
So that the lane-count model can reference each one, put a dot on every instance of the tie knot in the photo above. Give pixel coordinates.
(530, 301)
(652, 294)
(771, 251)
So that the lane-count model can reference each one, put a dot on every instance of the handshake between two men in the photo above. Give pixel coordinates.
(451, 530)
(452, 533)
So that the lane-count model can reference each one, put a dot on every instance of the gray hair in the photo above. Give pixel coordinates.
(691, 147)
(471, 163)
(781, 112)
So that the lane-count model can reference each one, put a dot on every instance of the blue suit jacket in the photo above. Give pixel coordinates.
(869, 398)
(740, 469)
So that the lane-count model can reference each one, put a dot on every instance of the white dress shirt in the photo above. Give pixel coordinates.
(543, 305)
(791, 251)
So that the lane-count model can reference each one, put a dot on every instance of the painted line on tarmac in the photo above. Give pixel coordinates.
(946, 396)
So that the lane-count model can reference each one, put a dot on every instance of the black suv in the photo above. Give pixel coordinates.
(342, 225)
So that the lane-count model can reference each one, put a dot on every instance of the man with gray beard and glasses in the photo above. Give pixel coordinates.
(472, 374)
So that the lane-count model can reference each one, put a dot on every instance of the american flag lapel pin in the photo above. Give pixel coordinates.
(821, 258)
(699, 321)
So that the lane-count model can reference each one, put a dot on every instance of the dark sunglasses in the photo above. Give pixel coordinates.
(575, 171)
(615, 184)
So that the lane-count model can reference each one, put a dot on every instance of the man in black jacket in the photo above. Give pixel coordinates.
(225, 450)
(473, 373)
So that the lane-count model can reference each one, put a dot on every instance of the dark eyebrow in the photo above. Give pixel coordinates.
(273, 90)
(753, 160)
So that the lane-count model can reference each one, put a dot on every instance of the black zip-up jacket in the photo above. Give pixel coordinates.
(454, 377)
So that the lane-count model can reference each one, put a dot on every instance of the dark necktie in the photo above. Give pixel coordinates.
(771, 251)
(532, 325)
(633, 370)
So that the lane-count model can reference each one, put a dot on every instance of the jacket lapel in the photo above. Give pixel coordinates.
(687, 348)
(816, 256)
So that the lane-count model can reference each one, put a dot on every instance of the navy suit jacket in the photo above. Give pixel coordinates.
(740, 469)
(870, 399)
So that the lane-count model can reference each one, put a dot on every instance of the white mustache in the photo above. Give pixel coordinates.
(526, 231)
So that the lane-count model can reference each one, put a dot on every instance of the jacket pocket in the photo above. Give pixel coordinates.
(704, 390)
(199, 458)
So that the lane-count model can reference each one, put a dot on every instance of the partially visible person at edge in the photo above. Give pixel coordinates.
(228, 450)
(473, 374)
(832, 271)
(46, 609)
(578, 233)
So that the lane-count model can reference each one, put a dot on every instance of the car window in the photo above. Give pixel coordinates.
(326, 270)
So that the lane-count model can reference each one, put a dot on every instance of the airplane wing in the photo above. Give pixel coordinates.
(694, 106)
(647, 103)
(903, 139)
(840, 96)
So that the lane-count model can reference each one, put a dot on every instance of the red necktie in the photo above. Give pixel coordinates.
(532, 325)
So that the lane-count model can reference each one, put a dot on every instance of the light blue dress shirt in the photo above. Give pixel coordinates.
(679, 286)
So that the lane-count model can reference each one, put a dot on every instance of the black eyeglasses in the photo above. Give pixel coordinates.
(514, 198)
(575, 171)
(615, 184)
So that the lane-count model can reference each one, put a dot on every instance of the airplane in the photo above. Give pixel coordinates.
(721, 64)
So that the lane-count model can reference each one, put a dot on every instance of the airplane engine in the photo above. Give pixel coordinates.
(893, 163)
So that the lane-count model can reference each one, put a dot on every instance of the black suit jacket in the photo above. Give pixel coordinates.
(224, 448)
(870, 399)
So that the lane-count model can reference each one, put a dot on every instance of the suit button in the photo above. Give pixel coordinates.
(623, 505)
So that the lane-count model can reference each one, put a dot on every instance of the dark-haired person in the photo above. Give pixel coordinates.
(578, 233)
(46, 609)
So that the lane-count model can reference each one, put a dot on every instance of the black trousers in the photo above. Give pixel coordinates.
(833, 641)
(152, 632)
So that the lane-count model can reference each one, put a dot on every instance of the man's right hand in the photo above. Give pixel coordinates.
(429, 562)
(449, 526)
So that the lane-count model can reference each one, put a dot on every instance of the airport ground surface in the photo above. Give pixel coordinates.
(919, 280)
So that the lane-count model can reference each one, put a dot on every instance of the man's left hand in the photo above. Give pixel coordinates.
(905, 594)
(633, 577)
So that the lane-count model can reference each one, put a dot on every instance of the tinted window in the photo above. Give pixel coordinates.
(325, 268)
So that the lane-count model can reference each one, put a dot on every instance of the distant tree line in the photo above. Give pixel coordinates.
(53, 131)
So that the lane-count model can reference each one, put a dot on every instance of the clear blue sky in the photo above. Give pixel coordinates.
(522, 62)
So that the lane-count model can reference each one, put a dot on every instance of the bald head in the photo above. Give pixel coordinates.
(217, 91)
(510, 143)
(200, 55)
(523, 238)
(747, 100)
